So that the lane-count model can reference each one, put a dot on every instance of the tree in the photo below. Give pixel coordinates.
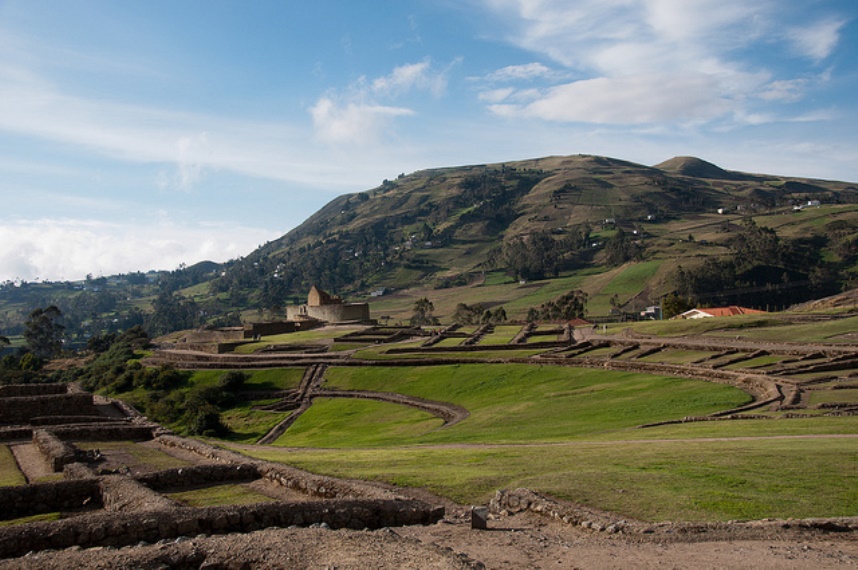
(673, 305)
(467, 314)
(422, 315)
(44, 333)
(620, 248)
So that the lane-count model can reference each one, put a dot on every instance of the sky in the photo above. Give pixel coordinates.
(139, 135)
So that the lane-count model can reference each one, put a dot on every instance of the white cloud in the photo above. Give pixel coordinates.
(496, 95)
(406, 78)
(626, 100)
(652, 60)
(358, 117)
(59, 249)
(788, 91)
(352, 123)
(519, 73)
(817, 40)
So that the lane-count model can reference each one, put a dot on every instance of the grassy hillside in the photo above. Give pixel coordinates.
(516, 235)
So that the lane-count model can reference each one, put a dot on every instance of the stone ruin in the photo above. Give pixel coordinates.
(101, 508)
(322, 306)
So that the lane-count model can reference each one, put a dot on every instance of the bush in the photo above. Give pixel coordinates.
(233, 381)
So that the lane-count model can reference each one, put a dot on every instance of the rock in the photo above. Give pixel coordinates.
(479, 518)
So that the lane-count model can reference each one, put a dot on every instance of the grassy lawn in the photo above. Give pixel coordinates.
(449, 342)
(848, 395)
(247, 425)
(662, 480)
(10, 475)
(514, 403)
(728, 326)
(271, 379)
(760, 361)
(378, 353)
(632, 280)
(333, 422)
(676, 356)
(316, 336)
(501, 335)
(219, 495)
(139, 454)
(808, 332)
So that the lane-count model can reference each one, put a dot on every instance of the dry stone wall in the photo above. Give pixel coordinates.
(57, 452)
(22, 409)
(123, 494)
(120, 529)
(199, 475)
(28, 390)
(285, 476)
(518, 500)
(28, 500)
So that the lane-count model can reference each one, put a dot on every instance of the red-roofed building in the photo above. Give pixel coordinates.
(730, 311)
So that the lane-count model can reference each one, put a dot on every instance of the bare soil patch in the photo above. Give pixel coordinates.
(30, 461)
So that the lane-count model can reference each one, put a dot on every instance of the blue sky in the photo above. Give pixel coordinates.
(139, 135)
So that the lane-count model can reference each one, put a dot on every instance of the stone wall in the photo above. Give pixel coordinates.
(266, 329)
(337, 313)
(24, 408)
(199, 475)
(28, 500)
(24, 390)
(99, 432)
(120, 529)
(62, 420)
(285, 476)
(57, 452)
(123, 494)
(215, 335)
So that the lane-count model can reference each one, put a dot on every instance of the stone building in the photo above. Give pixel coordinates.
(322, 306)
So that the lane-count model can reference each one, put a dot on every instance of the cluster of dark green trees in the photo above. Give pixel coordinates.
(476, 314)
(540, 255)
(44, 337)
(163, 393)
(571, 305)
(763, 268)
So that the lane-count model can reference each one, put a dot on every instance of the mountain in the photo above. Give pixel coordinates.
(624, 233)
(445, 225)
(698, 168)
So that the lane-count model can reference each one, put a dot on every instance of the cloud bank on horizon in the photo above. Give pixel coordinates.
(140, 136)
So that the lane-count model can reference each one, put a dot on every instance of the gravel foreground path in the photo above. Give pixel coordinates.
(525, 540)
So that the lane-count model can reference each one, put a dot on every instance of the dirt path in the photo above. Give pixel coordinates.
(30, 461)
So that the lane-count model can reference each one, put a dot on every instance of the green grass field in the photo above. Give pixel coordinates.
(270, 379)
(333, 422)
(137, 454)
(654, 481)
(511, 403)
(247, 425)
(10, 475)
